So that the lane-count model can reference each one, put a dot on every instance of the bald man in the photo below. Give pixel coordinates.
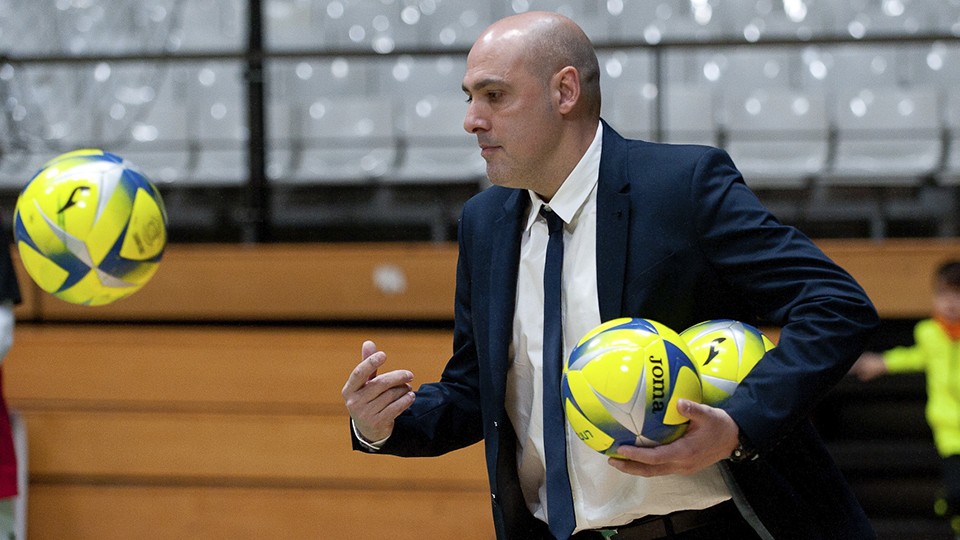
(664, 232)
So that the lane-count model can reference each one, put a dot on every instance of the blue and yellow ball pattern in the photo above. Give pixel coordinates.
(622, 382)
(90, 228)
(725, 351)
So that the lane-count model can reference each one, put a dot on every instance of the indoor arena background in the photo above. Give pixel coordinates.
(313, 163)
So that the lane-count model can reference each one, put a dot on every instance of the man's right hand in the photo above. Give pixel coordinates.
(375, 401)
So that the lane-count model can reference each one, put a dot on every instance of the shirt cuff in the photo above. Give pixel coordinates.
(373, 446)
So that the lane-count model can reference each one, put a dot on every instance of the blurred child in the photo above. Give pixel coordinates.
(936, 350)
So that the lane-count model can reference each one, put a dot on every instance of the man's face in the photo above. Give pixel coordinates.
(511, 112)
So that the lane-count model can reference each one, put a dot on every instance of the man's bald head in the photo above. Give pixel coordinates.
(549, 42)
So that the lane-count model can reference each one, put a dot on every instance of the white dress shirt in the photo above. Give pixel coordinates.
(602, 495)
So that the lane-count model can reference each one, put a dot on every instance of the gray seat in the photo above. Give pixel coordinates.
(152, 133)
(950, 175)
(206, 26)
(666, 19)
(436, 149)
(629, 92)
(778, 138)
(886, 137)
(365, 25)
(689, 116)
(344, 140)
(50, 121)
(219, 113)
(451, 23)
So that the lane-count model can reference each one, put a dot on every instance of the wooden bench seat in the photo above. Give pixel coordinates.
(204, 367)
(403, 282)
(104, 511)
(224, 432)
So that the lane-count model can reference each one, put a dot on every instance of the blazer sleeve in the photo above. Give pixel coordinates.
(446, 414)
(785, 280)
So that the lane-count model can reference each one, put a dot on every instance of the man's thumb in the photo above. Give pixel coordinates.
(691, 409)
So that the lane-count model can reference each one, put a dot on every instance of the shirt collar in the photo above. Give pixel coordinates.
(577, 187)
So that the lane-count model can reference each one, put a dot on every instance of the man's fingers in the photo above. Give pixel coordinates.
(692, 410)
(633, 467)
(380, 401)
(655, 461)
(653, 456)
(375, 407)
(375, 400)
(386, 381)
(710, 437)
(370, 390)
(367, 349)
(397, 406)
(366, 370)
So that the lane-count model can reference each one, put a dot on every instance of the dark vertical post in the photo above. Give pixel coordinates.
(257, 219)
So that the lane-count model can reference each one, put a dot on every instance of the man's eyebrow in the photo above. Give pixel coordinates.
(483, 83)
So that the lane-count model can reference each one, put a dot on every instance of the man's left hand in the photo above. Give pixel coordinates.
(710, 437)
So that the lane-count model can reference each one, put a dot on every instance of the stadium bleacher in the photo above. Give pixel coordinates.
(703, 71)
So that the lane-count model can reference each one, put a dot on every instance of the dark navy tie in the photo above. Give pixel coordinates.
(560, 516)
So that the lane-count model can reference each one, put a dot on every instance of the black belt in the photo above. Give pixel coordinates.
(650, 527)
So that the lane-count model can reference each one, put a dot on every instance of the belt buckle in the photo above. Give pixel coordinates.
(607, 534)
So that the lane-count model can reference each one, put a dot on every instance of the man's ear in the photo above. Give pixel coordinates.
(567, 85)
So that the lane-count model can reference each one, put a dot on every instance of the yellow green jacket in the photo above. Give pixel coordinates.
(934, 353)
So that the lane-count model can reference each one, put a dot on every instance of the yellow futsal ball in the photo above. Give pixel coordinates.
(90, 229)
(622, 382)
(724, 351)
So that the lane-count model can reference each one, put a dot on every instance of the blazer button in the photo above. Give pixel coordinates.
(496, 424)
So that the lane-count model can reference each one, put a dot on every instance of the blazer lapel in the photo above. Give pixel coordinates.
(613, 218)
(504, 265)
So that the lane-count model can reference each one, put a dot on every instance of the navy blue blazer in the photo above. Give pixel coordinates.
(680, 239)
